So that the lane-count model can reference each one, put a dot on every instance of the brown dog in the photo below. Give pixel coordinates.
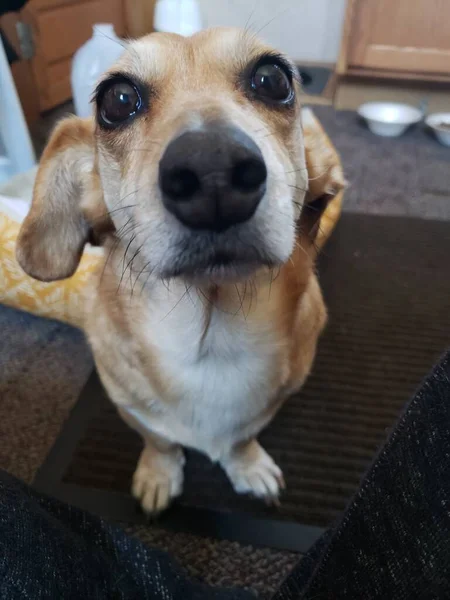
(207, 311)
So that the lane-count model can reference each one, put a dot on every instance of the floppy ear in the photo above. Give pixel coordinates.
(323, 202)
(53, 235)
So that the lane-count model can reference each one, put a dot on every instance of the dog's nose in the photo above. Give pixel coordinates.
(212, 178)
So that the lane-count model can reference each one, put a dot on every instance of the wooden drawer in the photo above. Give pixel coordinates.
(62, 30)
(59, 28)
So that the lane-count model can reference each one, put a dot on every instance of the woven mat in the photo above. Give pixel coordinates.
(385, 286)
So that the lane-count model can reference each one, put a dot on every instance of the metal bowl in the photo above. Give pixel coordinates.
(389, 119)
(440, 124)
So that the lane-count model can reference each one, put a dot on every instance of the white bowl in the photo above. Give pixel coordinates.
(435, 122)
(389, 119)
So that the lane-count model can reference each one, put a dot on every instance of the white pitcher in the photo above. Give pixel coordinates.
(90, 61)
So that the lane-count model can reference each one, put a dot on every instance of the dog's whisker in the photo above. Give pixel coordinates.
(254, 296)
(105, 265)
(241, 300)
(165, 283)
(123, 236)
(300, 170)
(115, 210)
(323, 174)
(127, 206)
(298, 188)
(116, 40)
(182, 297)
(131, 240)
(108, 213)
(274, 18)
(136, 231)
(247, 25)
(133, 192)
(269, 134)
(300, 247)
(138, 251)
(277, 275)
(204, 296)
(136, 279)
(112, 250)
(149, 274)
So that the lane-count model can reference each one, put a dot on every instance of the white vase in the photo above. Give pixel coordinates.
(178, 16)
(90, 61)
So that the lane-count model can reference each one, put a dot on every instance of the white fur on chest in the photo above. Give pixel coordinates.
(221, 380)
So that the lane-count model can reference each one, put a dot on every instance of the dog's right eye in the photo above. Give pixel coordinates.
(118, 100)
(271, 82)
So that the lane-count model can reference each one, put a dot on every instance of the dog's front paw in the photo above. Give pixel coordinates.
(252, 471)
(158, 478)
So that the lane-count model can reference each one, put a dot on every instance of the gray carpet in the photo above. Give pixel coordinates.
(43, 364)
(405, 176)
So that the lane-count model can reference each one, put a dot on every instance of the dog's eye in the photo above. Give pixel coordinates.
(271, 82)
(118, 102)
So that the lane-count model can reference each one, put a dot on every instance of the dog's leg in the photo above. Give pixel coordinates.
(159, 474)
(252, 471)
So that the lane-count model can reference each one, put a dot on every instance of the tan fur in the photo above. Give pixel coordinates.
(325, 175)
(160, 345)
(56, 229)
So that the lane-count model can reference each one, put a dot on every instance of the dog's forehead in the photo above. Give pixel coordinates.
(208, 53)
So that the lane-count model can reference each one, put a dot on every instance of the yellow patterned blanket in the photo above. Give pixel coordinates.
(63, 300)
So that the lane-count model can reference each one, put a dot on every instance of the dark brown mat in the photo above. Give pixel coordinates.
(388, 294)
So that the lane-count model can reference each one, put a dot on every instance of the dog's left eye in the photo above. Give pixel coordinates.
(271, 82)
(118, 102)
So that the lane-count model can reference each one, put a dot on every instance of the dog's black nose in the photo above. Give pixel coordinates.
(212, 178)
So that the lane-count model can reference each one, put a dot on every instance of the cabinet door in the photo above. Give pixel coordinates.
(59, 28)
(400, 35)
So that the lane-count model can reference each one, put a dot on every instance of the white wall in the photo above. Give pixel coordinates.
(308, 30)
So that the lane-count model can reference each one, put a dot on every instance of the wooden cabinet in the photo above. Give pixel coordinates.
(405, 38)
(21, 69)
(57, 29)
(52, 30)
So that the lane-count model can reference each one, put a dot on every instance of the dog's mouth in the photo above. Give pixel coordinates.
(220, 267)
(205, 258)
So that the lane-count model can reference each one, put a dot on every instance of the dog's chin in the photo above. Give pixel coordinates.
(220, 274)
